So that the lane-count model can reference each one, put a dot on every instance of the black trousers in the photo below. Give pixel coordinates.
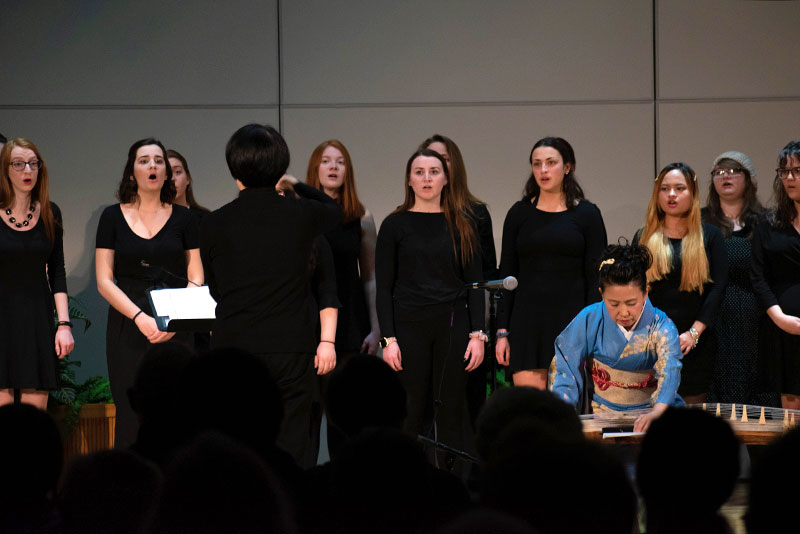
(298, 386)
(432, 350)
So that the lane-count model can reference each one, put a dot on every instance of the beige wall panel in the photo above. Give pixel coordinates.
(416, 51)
(697, 133)
(86, 152)
(613, 146)
(139, 53)
(727, 49)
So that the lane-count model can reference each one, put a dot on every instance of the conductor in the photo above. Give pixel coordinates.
(256, 250)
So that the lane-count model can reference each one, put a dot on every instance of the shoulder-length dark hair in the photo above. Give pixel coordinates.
(189, 194)
(783, 214)
(457, 220)
(570, 187)
(128, 189)
(352, 208)
(40, 192)
(751, 207)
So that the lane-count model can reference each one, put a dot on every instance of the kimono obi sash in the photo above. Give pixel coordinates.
(623, 387)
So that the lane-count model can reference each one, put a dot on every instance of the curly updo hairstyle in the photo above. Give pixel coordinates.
(621, 265)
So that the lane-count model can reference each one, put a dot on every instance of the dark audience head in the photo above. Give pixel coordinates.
(508, 405)
(687, 469)
(217, 484)
(771, 504)
(128, 187)
(556, 483)
(158, 378)
(486, 520)
(380, 481)
(3, 140)
(31, 459)
(257, 155)
(110, 491)
(365, 392)
(230, 391)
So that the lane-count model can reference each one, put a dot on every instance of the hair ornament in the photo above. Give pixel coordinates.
(609, 261)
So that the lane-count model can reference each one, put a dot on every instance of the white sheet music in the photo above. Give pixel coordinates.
(184, 303)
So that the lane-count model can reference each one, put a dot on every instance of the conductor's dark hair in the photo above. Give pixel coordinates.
(572, 191)
(785, 209)
(621, 265)
(128, 188)
(257, 155)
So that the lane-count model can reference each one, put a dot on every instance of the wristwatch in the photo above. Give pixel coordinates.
(386, 341)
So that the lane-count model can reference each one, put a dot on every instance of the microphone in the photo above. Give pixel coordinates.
(509, 283)
(146, 264)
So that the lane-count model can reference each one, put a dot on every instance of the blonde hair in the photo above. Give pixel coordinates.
(694, 262)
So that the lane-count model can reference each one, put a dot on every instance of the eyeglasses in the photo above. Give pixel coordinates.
(784, 173)
(18, 165)
(721, 173)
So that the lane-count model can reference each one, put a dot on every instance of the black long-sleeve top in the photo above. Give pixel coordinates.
(483, 227)
(686, 307)
(416, 270)
(775, 267)
(255, 253)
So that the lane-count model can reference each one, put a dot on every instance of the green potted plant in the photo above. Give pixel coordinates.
(67, 401)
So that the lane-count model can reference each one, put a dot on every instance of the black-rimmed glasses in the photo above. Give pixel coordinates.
(19, 165)
(784, 173)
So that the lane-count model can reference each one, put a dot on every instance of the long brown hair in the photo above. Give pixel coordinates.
(40, 192)
(694, 262)
(751, 207)
(458, 171)
(189, 194)
(785, 211)
(454, 213)
(352, 208)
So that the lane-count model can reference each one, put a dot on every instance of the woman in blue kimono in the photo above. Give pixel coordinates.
(631, 348)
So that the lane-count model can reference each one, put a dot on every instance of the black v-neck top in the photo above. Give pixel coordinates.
(164, 252)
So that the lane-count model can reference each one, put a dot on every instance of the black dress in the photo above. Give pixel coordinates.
(165, 252)
(686, 307)
(554, 256)
(31, 272)
(353, 322)
(776, 280)
(737, 327)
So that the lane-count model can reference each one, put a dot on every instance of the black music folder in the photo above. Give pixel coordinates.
(185, 309)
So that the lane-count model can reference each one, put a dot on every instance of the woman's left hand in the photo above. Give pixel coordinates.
(325, 360)
(370, 344)
(687, 342)
(474, 354)
(64, 341)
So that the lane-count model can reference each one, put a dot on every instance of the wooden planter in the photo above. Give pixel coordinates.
(94, 431)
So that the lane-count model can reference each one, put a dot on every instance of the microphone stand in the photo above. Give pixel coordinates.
(494, 298)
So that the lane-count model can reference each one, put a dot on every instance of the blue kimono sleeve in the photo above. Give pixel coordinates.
(571, 347)
(668, 365)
